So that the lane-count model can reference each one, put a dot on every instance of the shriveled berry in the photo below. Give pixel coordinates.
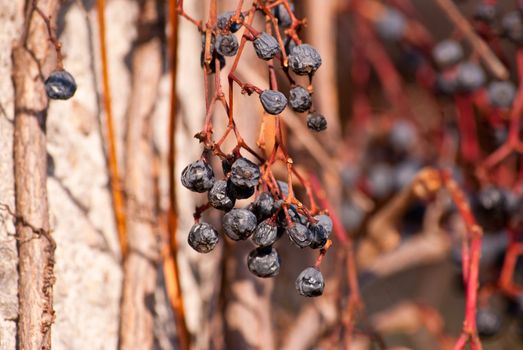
(224, 21)
(273, 101)
(501, 93)
(488, 322)
(294, 215)
(318, 236)
(239, 224)
(316, 122)
(212, 64)
(326, 222)
(447, 53)
(265, 234)
(486, 12)
(391, 25)
(266, 46)
(304, 60)
(310, 282)
(283, 16)
(60, 85)
(226, 45)
(300, 99)
(263, 206)
(242, 192)
(264, 262)
(202, 237)
(512, 27)
(244, 173)
(284, 188)
(299, 234)
(198, 176)
(221, 196)
(470, 76)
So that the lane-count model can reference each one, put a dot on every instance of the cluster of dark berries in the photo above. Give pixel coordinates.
(265, 220)
(60, 85)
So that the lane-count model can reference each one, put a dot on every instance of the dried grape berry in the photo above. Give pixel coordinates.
(326, 222)
(221, 196)
(198, 176)
(60, 85)
(202, 237)
(488, 322)
(212, 64)
(244, 173)
(239, 224)
(225, 19)
(447, 53)
(264, 262)
(391, 25)
(304, 60)
(299, 234)
(470, 76)
(263, 206)
(266, 46)
(316, 122)
(242, 192)
(491, 208)
(226, 45)
(512, 26)
(273, 101)
(300, 99)
(501, 93)
(265, 234)
(310, 282)
(283, 16)
(318, 236)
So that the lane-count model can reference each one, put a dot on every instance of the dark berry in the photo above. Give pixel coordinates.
(273, 101)
(198, 176)
(60, 85)
(212, 64)
(264, 262)
(265, 234)
(283, 16)
(299, 234)
(491, 209)
(244, 173)
(310, 282)
(226, 45)
(266, 46)
(284, 188)
(221, 195)
(294, 215)
(512, 26)
(501, 93)
(304, 60)
(239, 224)
(318, 236)
(470, 76)
(488, 322)
(263, 206)
(391, 25)
(486, 12)
(227, 164)
(316, 122)
(289, 45)
(224, 21)
(242, 192)
(203, 237)
(326, 222)
(447, 53)
(300, 99)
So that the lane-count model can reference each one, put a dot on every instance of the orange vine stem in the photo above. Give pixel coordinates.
(116, 189)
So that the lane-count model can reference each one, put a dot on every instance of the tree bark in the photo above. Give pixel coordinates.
(36, 246)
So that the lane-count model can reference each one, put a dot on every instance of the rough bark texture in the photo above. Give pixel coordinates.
(140, 266)
(35, 245)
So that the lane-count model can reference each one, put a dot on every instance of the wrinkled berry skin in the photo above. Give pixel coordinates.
(447, 53)
(224, 19)
(283, 16)
(512, 27)
(316, 122)
(239, 224)
(470, 76)
(488, 323)
(202, 237)
(264, 262)
(273, 101)
(265, 234)
(266, 46)
(501, 94)
(60, 85)
(391, 25)
(226, 45)
(242, 192)
(304, 60)
(198, 176)
(326, 222)
(245, 173)
(221, 196)
(310, 282)
(300, 99)
(263, 206)
(299, 235)
(318, 236)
